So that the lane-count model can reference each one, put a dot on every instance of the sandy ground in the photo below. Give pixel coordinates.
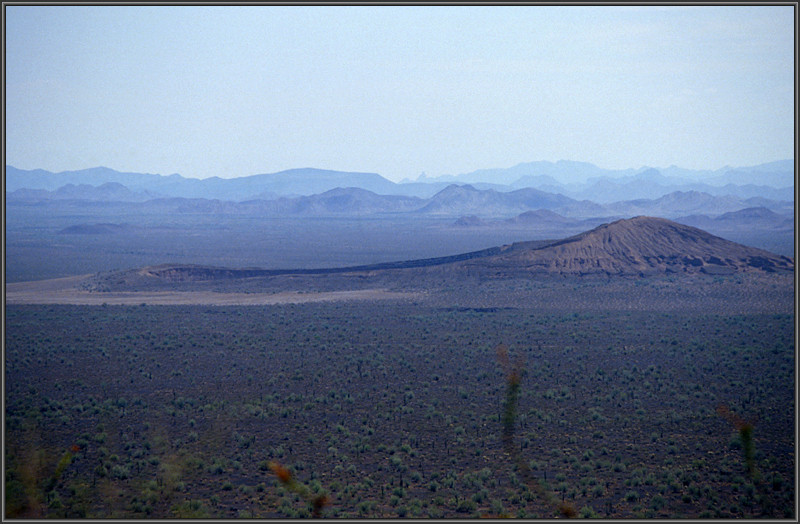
(63, 291)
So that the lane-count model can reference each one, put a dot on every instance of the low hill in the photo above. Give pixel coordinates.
(639, 246)
(540, 216)
(636, 246)
(96, 229)
(749, 219)
(752, 215)
(471, 221)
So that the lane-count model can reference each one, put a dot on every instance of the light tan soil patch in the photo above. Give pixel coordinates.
(63, 291)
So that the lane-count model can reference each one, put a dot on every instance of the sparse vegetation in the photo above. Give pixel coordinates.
(393, 409)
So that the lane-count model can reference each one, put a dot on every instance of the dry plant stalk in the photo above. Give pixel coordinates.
(514, 371)
(745, 429)
(318, 502)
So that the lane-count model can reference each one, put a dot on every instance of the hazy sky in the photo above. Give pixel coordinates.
(235, 91)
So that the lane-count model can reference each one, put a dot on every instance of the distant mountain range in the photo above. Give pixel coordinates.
(452, 201)
(293, 182)
(581, 180)
(108, 192)
(571, 190)
(577, 180)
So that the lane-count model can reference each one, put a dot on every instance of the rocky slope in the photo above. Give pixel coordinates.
(636, 246)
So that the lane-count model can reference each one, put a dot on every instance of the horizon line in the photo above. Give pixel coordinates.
(405, 180)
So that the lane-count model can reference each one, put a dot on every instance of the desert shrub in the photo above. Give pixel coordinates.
(466, 506)
(119, 471)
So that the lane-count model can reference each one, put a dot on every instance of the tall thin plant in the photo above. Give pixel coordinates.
(514, 371)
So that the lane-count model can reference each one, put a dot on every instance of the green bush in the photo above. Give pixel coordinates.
(466, 506)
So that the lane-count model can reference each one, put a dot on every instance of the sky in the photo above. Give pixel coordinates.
(234, 91)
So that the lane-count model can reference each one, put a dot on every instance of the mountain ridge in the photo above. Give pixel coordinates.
(452, 201)
(577, 180)
(289, 182)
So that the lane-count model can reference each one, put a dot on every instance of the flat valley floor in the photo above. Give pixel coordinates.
(633, 394)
